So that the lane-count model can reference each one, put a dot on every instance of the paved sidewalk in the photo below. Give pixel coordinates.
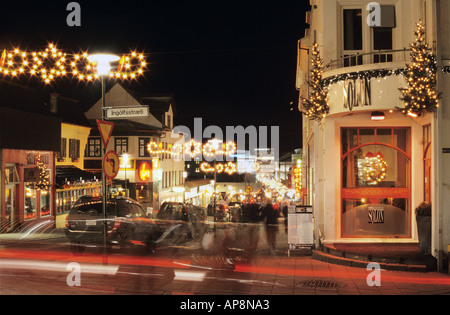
(304, 275)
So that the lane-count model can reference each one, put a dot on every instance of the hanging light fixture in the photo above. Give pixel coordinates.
(378, 116)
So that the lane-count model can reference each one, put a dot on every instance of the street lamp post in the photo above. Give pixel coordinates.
(215, 145)
(102, 62)
(126, 158)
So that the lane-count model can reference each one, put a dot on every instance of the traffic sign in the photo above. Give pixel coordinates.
(126, 112)
(248, 189)
(111, 164)
(105, 128)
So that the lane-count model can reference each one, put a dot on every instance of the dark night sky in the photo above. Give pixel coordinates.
(229, 62)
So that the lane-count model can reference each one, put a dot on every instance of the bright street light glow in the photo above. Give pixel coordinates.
(103, 62)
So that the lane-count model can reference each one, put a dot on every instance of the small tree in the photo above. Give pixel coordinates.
(421, 96)
(316, 106)
(44, 177)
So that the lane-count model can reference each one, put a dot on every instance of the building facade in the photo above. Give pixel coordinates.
(368, 166)
(29, 139)
(71, 180)
(149, 176)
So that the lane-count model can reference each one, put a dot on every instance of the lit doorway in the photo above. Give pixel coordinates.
(11, 181)
(10, 205)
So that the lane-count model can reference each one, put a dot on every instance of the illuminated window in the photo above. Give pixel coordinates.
(376, 176)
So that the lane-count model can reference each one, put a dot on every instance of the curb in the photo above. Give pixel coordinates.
(351, 262)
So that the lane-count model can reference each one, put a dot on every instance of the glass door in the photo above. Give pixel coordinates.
(10, 205)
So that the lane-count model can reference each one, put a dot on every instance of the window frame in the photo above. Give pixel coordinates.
(116, 145)
(358, 192)
(94, 146)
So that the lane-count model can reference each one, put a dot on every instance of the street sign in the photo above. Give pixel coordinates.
(126, 112)
(300, 227)
(111, 164)
(105, 128)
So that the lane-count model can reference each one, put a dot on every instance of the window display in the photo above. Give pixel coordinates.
(375, 183)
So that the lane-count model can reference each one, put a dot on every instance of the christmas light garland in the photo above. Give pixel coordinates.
(229, 168)
(193, 148)
(52, 63)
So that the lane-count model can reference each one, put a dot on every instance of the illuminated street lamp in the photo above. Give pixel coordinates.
(103, 62)
(103, 66)
(125, 159)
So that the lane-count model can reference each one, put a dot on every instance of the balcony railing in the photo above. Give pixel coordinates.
(375, 57)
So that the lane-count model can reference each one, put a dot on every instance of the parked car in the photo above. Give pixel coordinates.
(178, 222)
(126, 223)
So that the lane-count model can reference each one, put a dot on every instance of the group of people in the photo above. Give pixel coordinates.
(268, 213)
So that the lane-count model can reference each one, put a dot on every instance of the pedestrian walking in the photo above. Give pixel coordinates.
(252, 218)
(270, 215)
(285, 215)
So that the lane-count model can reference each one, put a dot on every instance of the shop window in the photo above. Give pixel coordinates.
(384, 136)
(11, 175)
(44, 202)
(30, 200)
(349, 139)
(375, 184)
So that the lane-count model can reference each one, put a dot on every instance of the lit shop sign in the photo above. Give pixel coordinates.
(375, 215)
(298, 181)
(357, 93)
(144, 171)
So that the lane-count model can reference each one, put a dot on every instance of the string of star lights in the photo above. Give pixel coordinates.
(52, 63)
(155, 148)
(229, 168)
(192, 148)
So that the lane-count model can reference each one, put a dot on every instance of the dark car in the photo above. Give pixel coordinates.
(179, 222)
(126, 223)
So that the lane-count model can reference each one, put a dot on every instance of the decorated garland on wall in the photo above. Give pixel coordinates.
(421, 96)
(370, 74)
(316, 106)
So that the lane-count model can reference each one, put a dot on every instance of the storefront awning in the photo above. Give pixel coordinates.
(69, 173)
(197, 183)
